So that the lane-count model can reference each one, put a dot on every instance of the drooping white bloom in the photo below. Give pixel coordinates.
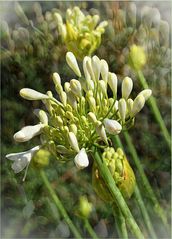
(73, 141)
(28, 132)
(22, 159)
(72, 62)
(30, 94)
(127, 86)
(112, 126)
(81, 159)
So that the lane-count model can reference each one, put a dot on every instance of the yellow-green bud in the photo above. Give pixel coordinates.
(85, 207)
(41, 158)
(122, 109)
(137, 57)
(76, 88)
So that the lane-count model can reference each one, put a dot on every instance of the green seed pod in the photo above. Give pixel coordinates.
(121, 172)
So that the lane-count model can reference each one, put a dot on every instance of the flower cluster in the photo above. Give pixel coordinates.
(80, 33)
(120, 170)
(84, 115)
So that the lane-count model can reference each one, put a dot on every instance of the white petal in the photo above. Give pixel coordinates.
(30, 94)
(28, 132)
(81, 159)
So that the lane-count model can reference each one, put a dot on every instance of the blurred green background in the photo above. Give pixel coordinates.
(29, 56)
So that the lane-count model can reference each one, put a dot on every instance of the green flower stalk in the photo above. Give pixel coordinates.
(84, 116)
(121, 171)
(81, 34)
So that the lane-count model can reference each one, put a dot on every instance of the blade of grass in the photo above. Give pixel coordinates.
(59, 205)
(90, 229)
(155, 110)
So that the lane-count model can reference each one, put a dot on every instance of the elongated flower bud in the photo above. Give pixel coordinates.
(138, 104)
(22, 159)
(92, 117)
(42, 115)
(72, 62)
(104, 70)
(96, 67)
(137, 57)
(112, 81)
(30, 94)
(81, 159)
(71, 99)
(90, 68)
(112, 126)
(73, 128)
(122, 109)
(75, 86)
(101, 131)
(146, 93)
(85, 207)
(28, 132)
(103, 87)
(127, 86)
(129, 105)
(73, 141)
(92, 103)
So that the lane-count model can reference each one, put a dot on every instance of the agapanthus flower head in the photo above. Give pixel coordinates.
(121, 171)
(88, 116)
(80, 33)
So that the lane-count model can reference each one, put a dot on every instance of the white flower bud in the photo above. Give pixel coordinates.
(42, 115)
(130, 105)
(86, 73)
(73, 141)
(103, 87)
(30, 94)
(81, 159)
(63, 98)
(122, 109)
(127, 86)
(71, 99)
(100, 129)
(73, 128)
(92, 117)
(146, 93)
(90, 68)
(67, 87)
(112, 126)
(92, 103)
(138, 104)
(22, 159)
(28, 132)
(112, 81)
(56, 79)
(75, 86)
(104, 70)
(72, 62)
(96, 67)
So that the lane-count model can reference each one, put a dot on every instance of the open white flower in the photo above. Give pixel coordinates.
(112, 126)
(81, 159)
(22, 159)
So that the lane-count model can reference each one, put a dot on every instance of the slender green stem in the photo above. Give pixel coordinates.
(90, 229)
(160, 212)
(139, 199)
(144, 212)
(155, 110)
(59, 205)
(120, 223)
(116, 194)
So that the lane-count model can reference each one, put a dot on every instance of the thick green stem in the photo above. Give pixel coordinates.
(138, 197)
(145, 182)
(59, 205)
(116, 194)
(90, 229)
(155, 110)
(120, 223)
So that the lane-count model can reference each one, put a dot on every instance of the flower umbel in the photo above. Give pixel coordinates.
(86, 116)
(81, 34)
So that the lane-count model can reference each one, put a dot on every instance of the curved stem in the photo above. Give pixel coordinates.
(155, 110)
(116, 194)
(59, 205)
(90, 229)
